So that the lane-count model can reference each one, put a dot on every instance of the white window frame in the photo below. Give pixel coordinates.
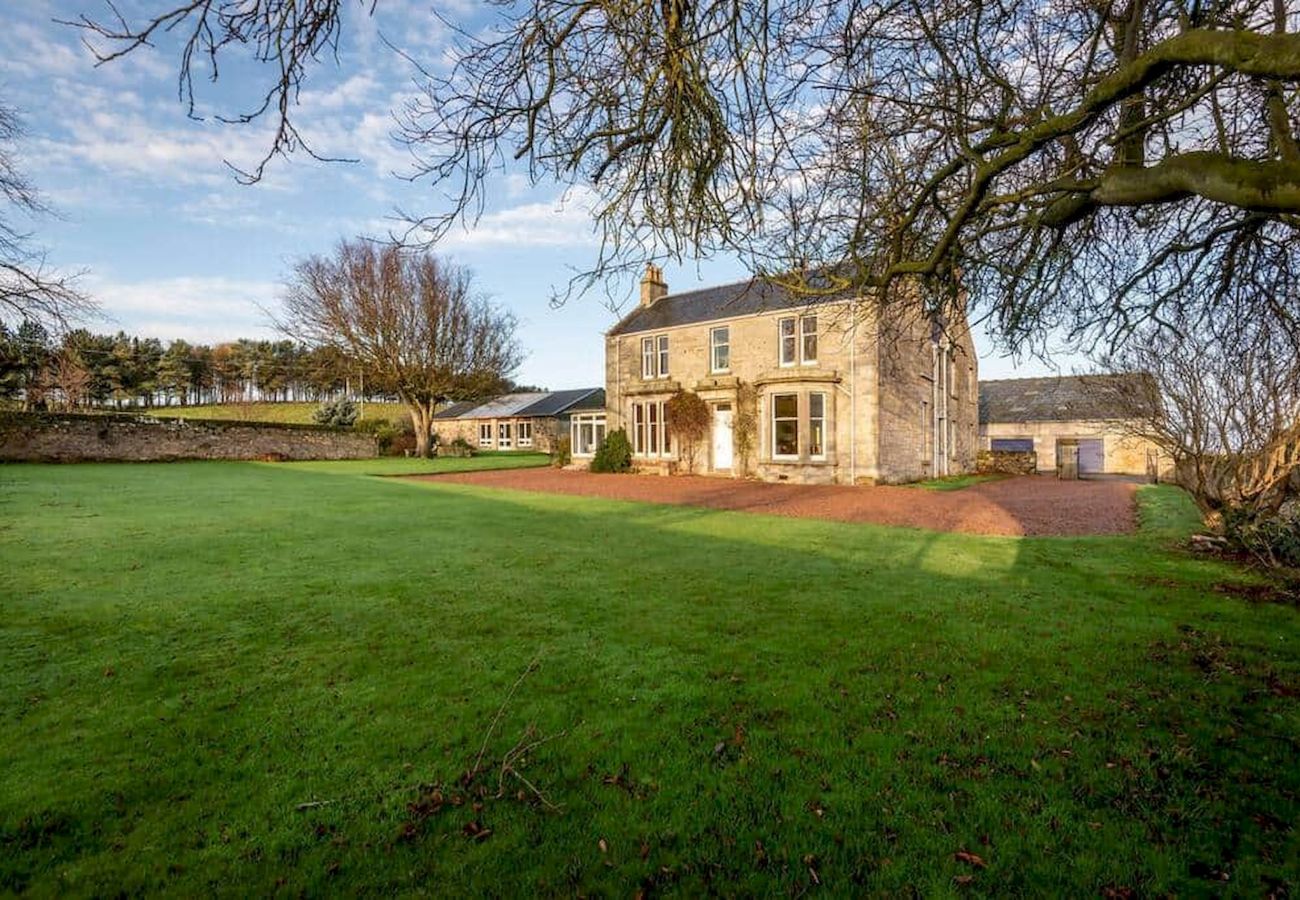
(792, 337)
(661, 344)
(715, 345)
(596, 422)
(650, 437)
(806, 332)
(649, 359)
(821, 420)
(775, 419)
(524, 434)
(485, 434)
(504, 436)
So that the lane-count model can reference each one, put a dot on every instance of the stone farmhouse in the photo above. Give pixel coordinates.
(1061, 415)
(824, 391)
(521, 421)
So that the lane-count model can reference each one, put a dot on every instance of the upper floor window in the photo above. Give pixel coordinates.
(720, 349)
(798, 337)
(808, 348)
(654, 357)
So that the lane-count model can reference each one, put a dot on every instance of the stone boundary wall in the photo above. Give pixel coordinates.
(72, 437)
(1006, 462)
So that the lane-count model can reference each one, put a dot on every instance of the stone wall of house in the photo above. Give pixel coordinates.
(37, 437)
(545, 431)
(912, 404)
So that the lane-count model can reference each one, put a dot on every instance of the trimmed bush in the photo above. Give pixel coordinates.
(336, 413)
(457, 447)
(614, 453)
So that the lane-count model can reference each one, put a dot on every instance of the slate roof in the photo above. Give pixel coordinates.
(1057, 397)
(558, 402)
(526, 405)
(708, 304)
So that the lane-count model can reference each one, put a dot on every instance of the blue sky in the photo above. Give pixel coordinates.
(173, 246)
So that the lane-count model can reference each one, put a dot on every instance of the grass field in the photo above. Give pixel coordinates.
(246, 678)
(274, 412)
(401, 465)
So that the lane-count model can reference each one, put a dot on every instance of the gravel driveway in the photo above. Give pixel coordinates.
(1012, 506)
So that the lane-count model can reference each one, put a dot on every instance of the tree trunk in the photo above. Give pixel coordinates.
(422, 420)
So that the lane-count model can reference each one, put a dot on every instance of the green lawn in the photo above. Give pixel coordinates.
(954, 482)
(292, 412)
(729, 703)
(401, 465)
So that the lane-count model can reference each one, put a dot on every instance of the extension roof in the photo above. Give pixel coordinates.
(526, 405)
(1058, 397)
(723, 302)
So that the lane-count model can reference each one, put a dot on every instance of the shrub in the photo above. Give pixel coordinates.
(338, 413)
(614, 453)
(561, 452)
(394, 438)
(457, 447)
(689, 418)
(1271, 537)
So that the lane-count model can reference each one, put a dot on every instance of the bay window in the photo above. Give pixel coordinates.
(817, 426)
(785, 426)
(649, 429)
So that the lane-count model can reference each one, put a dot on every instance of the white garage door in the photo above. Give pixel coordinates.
(1092, 457)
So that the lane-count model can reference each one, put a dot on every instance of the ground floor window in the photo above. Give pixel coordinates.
(586, 433)
(785, 426)
(503, 436)
(525, 434)
(799, 423)
(649, 429)
(817, 426)
(1012, 445)
(485, 434)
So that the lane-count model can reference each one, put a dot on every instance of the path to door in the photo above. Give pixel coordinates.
(1013, 506)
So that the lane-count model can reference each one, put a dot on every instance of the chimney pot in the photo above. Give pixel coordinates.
(653, 286)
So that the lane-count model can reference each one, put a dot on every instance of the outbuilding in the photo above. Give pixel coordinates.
(1063, 418)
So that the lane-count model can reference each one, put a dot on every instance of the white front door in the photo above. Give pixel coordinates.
(722, 445)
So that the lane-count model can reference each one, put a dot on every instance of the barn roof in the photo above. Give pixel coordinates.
(1059, 397)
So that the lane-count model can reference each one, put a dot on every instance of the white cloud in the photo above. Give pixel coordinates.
(563, 222)
(194, 308)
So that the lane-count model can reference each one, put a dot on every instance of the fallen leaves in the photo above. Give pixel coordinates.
(971, 859)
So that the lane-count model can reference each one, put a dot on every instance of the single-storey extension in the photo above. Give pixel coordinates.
(522, 421)
(1060, 416)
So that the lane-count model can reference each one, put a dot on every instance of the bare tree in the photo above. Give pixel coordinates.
(1087, 164)
(411, 320)
(1228, 412)
(28, 289)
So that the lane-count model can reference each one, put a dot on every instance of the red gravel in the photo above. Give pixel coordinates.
(1012, 506)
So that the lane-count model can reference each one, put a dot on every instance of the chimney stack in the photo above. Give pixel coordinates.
(653, 286)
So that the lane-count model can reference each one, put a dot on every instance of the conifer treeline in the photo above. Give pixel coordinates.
(82, 370)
